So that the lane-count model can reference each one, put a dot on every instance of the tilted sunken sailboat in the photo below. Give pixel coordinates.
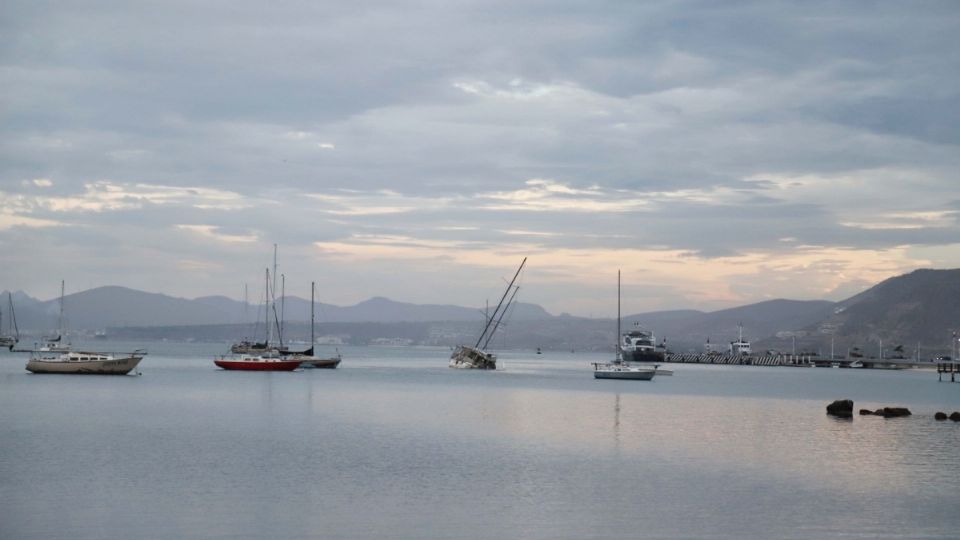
(477, 357)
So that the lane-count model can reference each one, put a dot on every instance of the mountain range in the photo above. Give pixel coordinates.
(919, 309)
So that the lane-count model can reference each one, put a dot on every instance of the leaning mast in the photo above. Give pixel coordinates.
(499, 305)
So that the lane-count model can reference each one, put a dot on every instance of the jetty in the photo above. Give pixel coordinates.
(795, 360)
(951, 368)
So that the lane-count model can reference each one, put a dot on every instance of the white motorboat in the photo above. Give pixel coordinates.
(639, 345)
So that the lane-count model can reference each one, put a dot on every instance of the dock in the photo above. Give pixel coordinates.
(951, 368)
(794, 360)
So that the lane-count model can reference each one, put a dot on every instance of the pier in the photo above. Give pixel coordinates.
(792, 360)
(741, 359)
(952, 368)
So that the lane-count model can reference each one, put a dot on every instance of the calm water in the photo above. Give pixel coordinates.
(396, 445)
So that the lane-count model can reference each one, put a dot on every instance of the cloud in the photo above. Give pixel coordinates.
(706, 137)
(9, 220)
(105, 196)
(214, 233)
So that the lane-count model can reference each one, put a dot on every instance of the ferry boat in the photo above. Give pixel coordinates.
(639, 345)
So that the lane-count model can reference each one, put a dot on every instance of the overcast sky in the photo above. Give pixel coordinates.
(719, 153)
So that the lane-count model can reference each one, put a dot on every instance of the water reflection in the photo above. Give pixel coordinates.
(389, 448)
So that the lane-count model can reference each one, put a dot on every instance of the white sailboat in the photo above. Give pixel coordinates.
(79, 362)
(619, 368)
(10, 339)
(55, 357)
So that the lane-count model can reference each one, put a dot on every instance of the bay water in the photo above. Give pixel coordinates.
(394, 444)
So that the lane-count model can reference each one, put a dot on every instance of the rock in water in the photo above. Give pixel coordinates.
(842, 408)
(894, 412)
(940, 416)
(955, 416)
(865, 412)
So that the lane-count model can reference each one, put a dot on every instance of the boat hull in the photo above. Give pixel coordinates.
(320, 363)
(257, 365)
(642, 356)
(619, 371)
(114, 366)
(469, 358)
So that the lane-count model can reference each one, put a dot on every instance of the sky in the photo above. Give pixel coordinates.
(717, 153)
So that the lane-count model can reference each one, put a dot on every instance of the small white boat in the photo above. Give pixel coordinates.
(614, 370)
(79, 362)
(620, 369)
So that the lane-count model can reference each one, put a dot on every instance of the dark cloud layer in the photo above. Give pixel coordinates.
(380, 142)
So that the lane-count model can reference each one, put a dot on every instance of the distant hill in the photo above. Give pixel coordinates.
(919, 307)
(764, 319)
(113, 306)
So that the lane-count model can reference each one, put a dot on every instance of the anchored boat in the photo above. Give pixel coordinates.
(270, 359)
(639, 345)
(12, 336)
(620, 368)
(262, 362)
(309, 361)
(79, 362)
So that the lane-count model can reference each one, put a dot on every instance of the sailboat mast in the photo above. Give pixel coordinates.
(616, 350)
(312, 288)
(60, 319)
(13, 317)
(266, 319)
(283, 305)
(502, 314)
(504, 297)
